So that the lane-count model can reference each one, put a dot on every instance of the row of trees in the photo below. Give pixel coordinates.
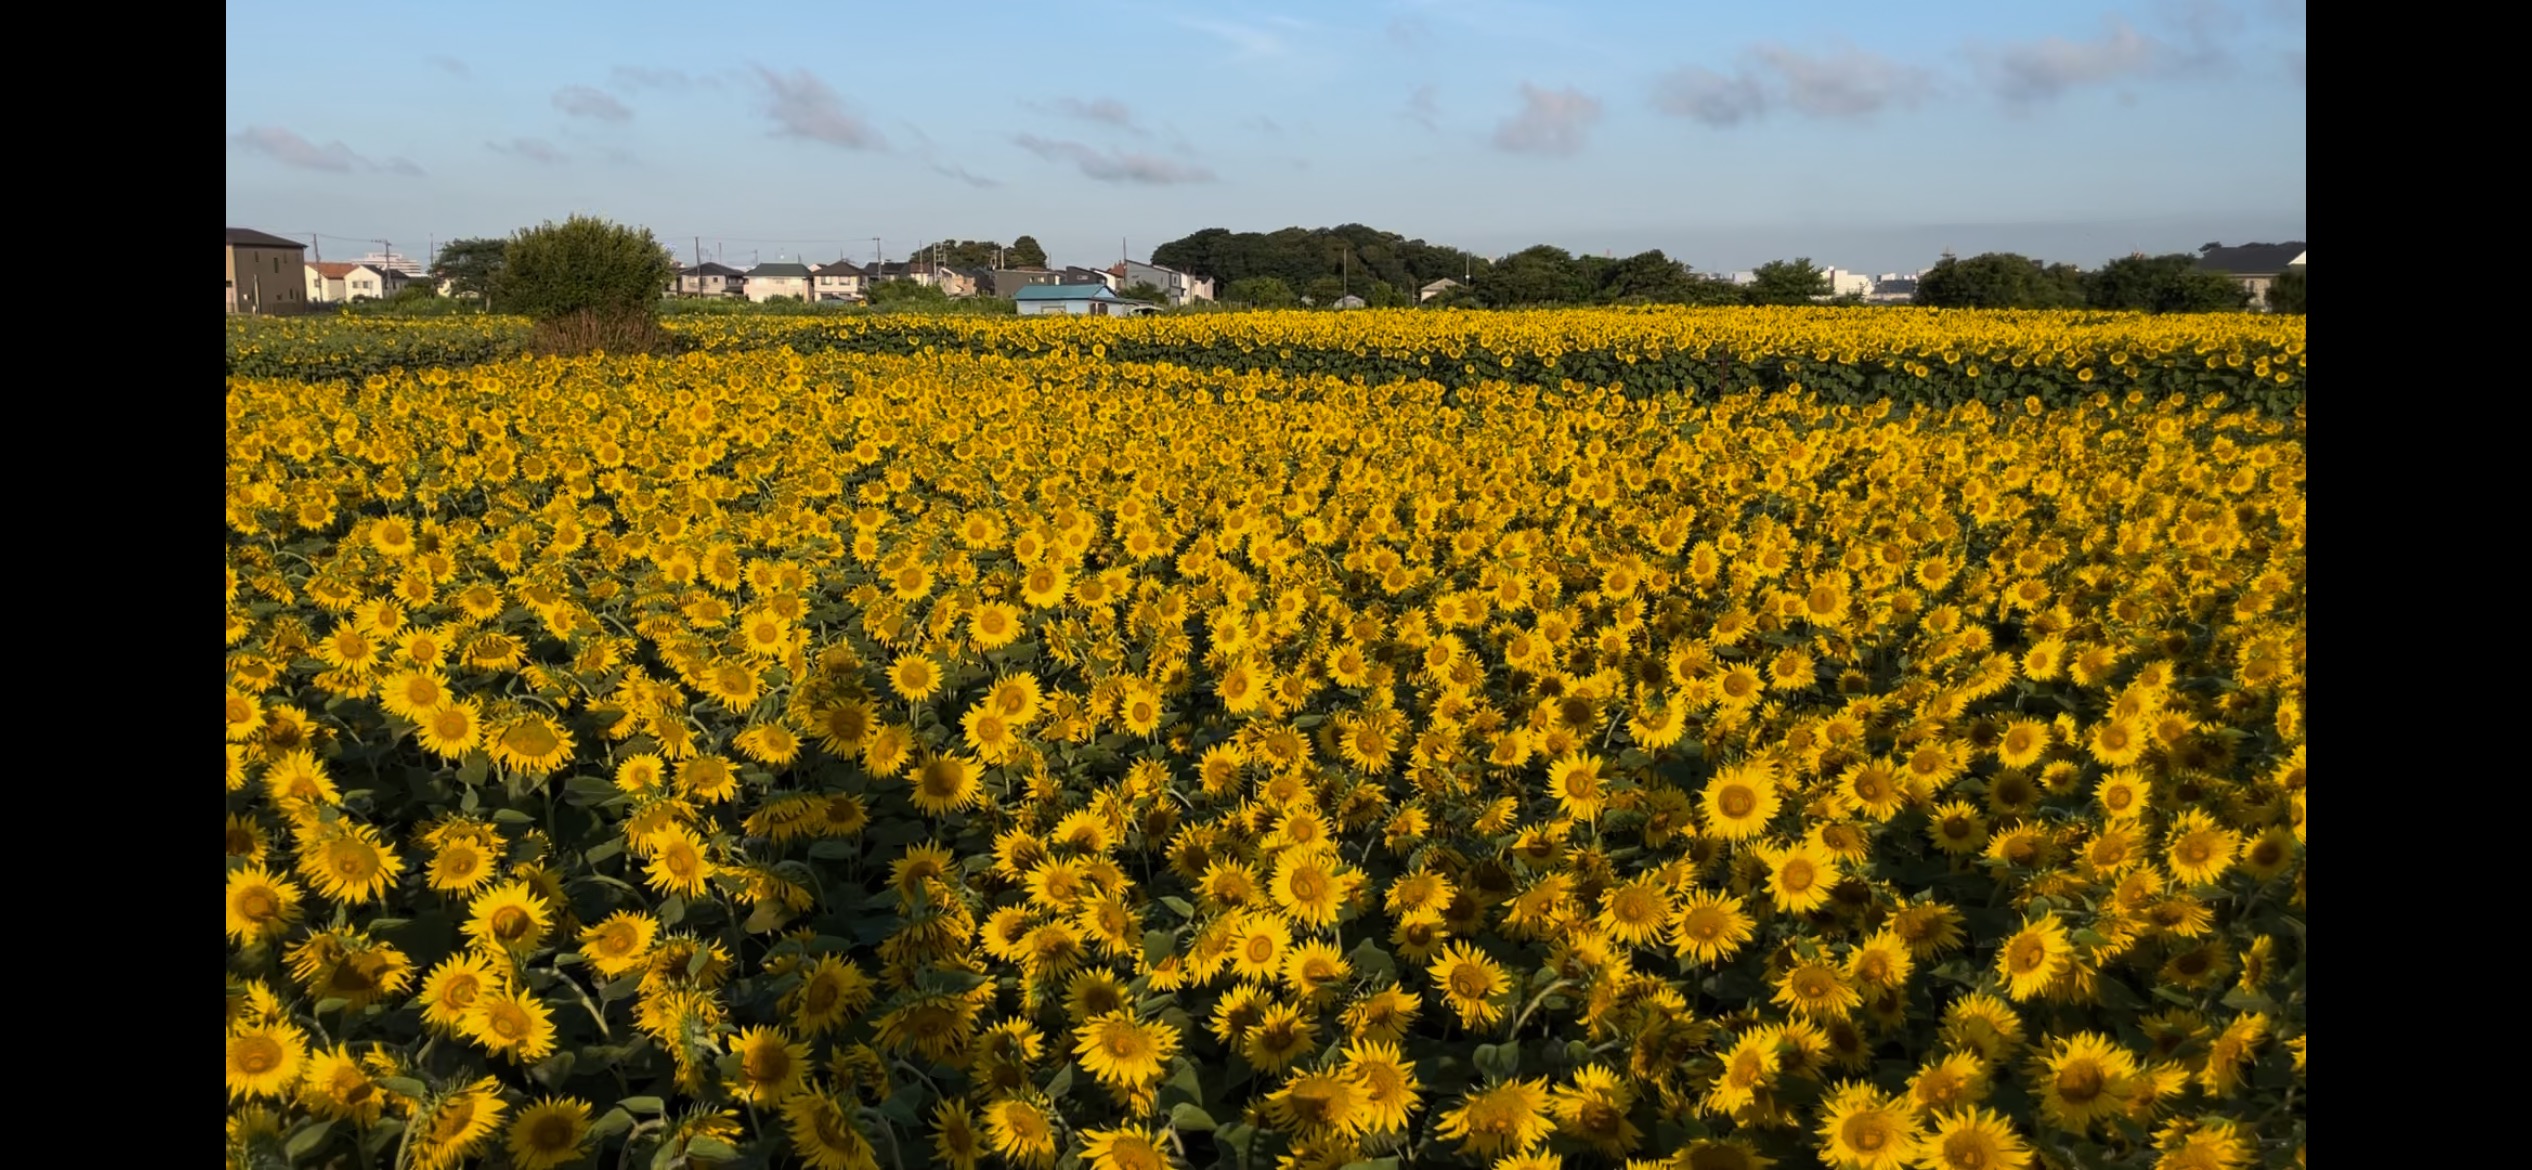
(1318, 265)
(2151, 284)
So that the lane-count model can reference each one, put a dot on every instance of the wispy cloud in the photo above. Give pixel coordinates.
(1843, 83)
(1716, 99)
(535, 150)
(1104, 111)
(1424, 109)
(289, 148)
(2034, 73)
(963, 175)
(804, 107)
(1848, 83)
(1247, 41)
(582, 101)
(1551, 122)
(1261, 124)
(1113, 166)
(450, 65)
(1408, 32)
(636, 78)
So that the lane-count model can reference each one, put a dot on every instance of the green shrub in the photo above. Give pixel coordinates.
(587, 283)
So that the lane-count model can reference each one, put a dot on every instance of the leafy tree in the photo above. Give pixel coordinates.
(2162, 284)
(588, 283)
(1999, 280)
(1786, 282)
(1298, 256)
(1324, 291)
(1264, 292)
(1384, 295)
(470, 265)
(2285, 294)
(1539, 275)
(1025, 253)
(1146, 292)
(906, 294)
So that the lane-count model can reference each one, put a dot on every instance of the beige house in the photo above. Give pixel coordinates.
(333, 282)
(777, 279)
(840, 281)
(267, 273)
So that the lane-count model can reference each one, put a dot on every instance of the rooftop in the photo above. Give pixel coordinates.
(1064, 292)
(249, 237)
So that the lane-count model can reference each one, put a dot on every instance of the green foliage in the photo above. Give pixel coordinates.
(1263, 292)
(587, 283)
(1298, 256)
(1024, 253)
(2285, 294)
(1146, 292)
(1324, 290)
(1384, 295)
(906, 294)
(2162, 284)
(1999, 280)
(1786, 282)
(1540, 275)
(470, 265)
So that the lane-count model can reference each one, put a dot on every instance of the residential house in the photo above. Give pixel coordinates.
(1436, 289)
(776, 279)
(266, 273)
(840, 281)
(2253, 266)
(1893, 290)
(1005, 282)
(1075, 274)
(325, 281)
(1079, 300)
(710, 279)
(957, 282)
(1178, 287)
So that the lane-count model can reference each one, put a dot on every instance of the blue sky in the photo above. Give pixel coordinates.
(1866, 135)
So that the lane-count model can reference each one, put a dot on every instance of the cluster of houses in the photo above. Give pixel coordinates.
(1036, 289)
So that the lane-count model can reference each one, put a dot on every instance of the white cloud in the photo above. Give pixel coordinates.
(1551, 122)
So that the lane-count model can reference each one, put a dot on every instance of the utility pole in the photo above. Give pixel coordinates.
(698, 249)
(878, 259)
(316, 249)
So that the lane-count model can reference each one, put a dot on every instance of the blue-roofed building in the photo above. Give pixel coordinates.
(1079, 300)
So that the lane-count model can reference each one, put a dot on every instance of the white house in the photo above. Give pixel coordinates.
(335, 281)
(1436, 289)
(776, 279)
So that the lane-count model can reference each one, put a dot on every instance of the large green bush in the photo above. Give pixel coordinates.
(587, 283)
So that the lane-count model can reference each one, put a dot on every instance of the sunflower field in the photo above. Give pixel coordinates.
(1843, 355)
(1057, 758)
